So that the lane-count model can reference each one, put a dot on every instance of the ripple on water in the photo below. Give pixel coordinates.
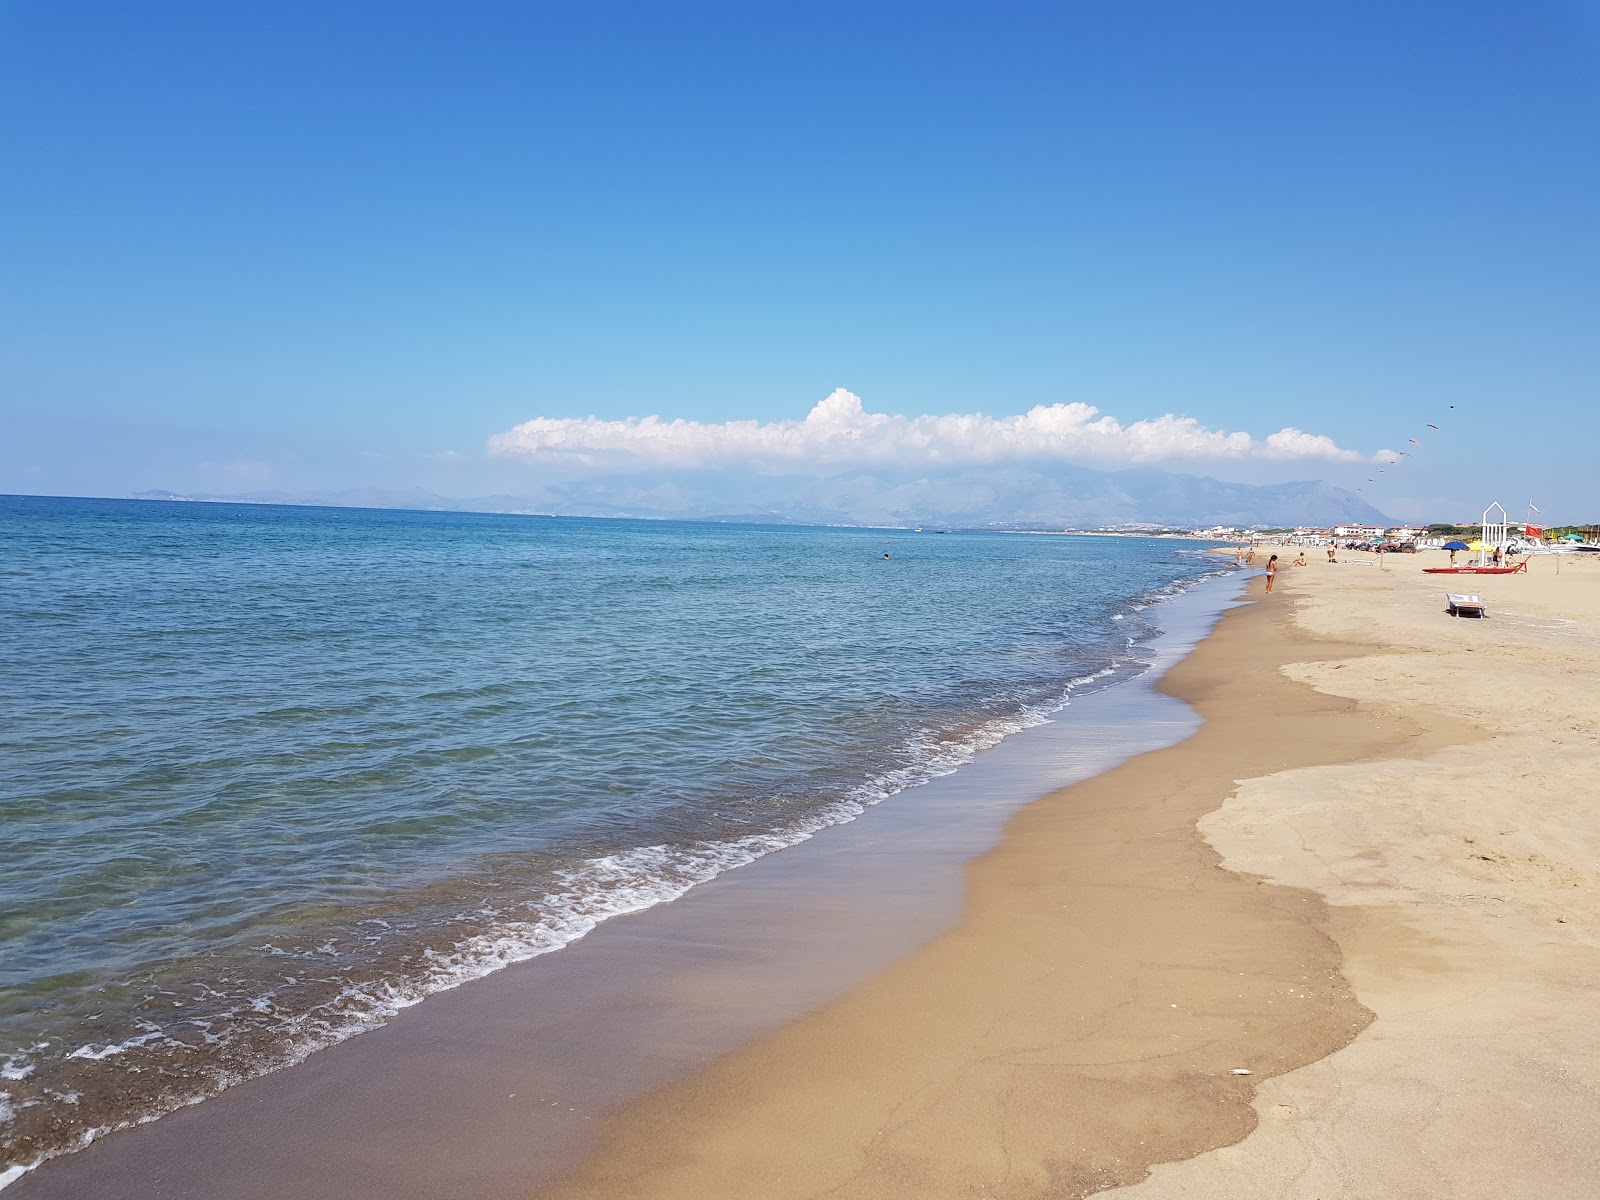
(271, 780)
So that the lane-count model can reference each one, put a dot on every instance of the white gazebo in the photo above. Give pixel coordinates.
(1494, 531)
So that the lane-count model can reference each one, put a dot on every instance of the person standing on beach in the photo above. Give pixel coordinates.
(1331, 558)
(1272, 569)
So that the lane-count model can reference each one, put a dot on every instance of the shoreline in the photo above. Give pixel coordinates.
(1338, 885)
(1330, 886)
(1023, 1054)
(725, 963)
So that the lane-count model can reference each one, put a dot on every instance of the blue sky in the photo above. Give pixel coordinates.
(337, 245)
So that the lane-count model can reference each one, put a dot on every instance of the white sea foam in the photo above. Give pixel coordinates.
(586, 895)
(601, 888)
(98, 1053)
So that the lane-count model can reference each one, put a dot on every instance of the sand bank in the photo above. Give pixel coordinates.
(1462, 885)
(1119, 994)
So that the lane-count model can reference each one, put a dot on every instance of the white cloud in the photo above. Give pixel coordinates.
(840, 432)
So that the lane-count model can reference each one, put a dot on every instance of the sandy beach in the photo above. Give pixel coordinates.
(1341, 942)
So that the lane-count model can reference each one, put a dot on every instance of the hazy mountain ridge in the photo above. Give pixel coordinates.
(1009, 498)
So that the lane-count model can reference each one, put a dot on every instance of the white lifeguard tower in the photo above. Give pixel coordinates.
(1494, 531)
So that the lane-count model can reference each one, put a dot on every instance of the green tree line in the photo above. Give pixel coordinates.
(1589, 531)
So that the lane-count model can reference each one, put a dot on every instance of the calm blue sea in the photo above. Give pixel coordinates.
(270, 774)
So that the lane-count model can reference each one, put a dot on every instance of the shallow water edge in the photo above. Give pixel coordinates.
(531, 1056)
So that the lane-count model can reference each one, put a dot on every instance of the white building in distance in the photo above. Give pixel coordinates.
(1358, 531)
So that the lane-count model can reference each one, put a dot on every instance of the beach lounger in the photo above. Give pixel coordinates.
(1460, 605)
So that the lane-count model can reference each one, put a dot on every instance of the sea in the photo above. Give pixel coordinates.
(271, 774)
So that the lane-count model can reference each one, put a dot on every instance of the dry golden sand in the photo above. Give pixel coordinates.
(1463, 885)
(1400, 799)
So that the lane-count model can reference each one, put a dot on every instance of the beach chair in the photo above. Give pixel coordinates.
(1458, 604)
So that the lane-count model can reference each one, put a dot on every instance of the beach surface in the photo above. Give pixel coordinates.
(1462, 886)
(1340, 942)
(1339, 939)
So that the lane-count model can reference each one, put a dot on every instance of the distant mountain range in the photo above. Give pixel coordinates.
(1054, 497)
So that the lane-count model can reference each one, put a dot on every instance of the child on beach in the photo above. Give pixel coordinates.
(1301, 561)
(1272, 569)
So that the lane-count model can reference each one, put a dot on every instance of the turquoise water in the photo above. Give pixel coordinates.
(271, 774)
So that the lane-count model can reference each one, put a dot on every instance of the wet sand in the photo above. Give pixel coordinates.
(1113, 997)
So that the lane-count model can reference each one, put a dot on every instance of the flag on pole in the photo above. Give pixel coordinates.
(1534, 531)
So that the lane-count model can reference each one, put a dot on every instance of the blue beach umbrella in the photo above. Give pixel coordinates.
(1457, 546)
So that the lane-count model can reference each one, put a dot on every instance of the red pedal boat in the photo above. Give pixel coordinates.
(1521, 566)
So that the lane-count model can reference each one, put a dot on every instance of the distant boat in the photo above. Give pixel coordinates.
(1534, 546)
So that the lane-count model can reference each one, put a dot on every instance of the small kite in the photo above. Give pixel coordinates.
(1431, 426)
(1414, 441)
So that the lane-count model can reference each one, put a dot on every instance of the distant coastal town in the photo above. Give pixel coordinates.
(1404, 538)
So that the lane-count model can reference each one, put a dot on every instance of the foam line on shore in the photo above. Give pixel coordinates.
(1111, 999)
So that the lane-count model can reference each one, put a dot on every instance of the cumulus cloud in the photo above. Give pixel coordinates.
(840, 432)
